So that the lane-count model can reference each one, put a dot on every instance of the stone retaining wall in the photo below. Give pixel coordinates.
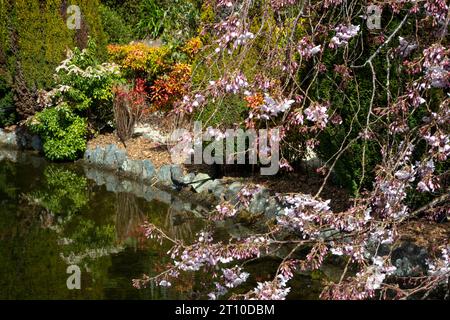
(20, 139)
(115, 159)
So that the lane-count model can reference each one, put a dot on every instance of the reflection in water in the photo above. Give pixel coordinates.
(52, 216)
(129, 219)
(177, 225)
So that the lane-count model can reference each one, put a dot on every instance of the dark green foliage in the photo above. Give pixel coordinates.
(226, 113)
(351, 104)
(34, 38)
(7, 110)
(173, 21)
(117, 30)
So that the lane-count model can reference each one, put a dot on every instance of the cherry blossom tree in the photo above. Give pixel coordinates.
(275, 55)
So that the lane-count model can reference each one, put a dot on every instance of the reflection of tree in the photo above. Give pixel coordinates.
(63, 191)
(176, 224)
(129, 218)
(7, 190)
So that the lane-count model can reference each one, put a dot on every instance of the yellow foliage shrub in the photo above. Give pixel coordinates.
(140, 58)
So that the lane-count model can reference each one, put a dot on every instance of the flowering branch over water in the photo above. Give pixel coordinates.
(324, 78)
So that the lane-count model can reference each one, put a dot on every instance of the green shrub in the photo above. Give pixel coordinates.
(63, 133)
(116, 29)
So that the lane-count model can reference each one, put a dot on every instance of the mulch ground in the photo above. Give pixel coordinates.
(137, 148)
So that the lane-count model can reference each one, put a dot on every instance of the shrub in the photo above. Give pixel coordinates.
(117, 30)
(87, 86)
(84, 94)
(193, 46)
(129, 107)
(63, 133)
(139, 59)
(169, 88)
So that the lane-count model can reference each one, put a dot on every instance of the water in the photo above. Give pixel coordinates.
(53, 216)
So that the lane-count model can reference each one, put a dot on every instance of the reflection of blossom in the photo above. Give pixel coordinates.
(271, 291)
(165, 283)
(234, 277)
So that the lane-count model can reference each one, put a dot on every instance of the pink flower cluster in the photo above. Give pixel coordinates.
(428, 183)
(271, 108)
(308, 49)
(234, 34)
(225, 210)
(437, 66)
(318, 113)
(279, 4)
(437, 8)
(234, 83)
(190, 103)
(270, 290)
(343, 35)
(440, 145)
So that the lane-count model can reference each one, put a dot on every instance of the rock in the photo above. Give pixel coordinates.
(410, 260)
(150, 133)
(100, 178)
(177, 205)
(148, 171)
(136, 168)
(133, 168)
(20, 139)
(259, 202)
(126, 186)
(12, 140)
(201, 182)
(237, 230)
(111, 183)
(218, 190)
(165, 175)
(162, 196)
(137, 189)
(98, 156)
(272, 208)
(232, 191)
(110, 157)
(149, 193)
(121, 156)
(177, 175)
(90, 173)
(88, 155)
(36, 143)
(187, 179)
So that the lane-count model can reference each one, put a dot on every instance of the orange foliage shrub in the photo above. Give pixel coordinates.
(169, 88)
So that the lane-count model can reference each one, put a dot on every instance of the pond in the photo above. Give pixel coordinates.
(53, 216)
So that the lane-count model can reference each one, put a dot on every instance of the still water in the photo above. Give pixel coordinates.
(53, 216)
